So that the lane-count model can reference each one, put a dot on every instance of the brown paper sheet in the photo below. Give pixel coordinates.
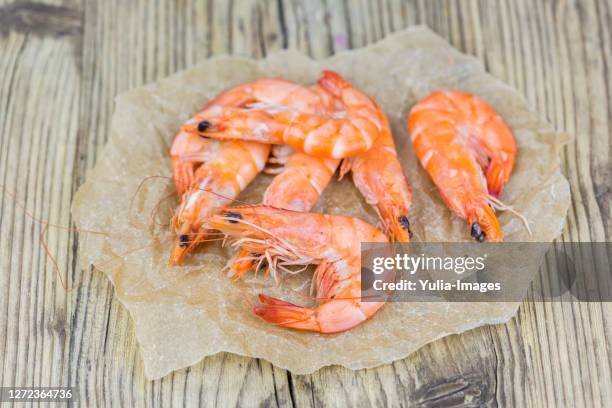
(183, 314)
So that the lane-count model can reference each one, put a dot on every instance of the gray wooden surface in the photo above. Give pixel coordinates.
(61, 64)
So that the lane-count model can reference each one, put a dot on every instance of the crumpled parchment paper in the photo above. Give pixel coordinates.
(183, 314)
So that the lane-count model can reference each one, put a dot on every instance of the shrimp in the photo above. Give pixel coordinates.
(253, 103)
(243, 160)
(469, 152)
(285, 237)
(379, 177)
(216, 182)
(297, 187)
(271, 93)
(334, 134)
(299, 182)
(302, 177)
(189, 148)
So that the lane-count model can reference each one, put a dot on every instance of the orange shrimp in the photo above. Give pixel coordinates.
(271, 93)
(469, 152)
(332, 242)
(379, 177)
(302, 177)
(216, 183)
(299, 182)
(335, 134)
(252, 105)
(297, 187)
(190, 149)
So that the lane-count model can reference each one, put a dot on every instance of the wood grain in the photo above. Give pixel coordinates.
(62, 64)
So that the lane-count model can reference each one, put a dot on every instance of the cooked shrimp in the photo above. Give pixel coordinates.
(469, 152)
(379, 177)
(302, 177)
(337, 134)
(190, 149)
(286, 237)
(216, 182)
(242, 160)
(297, 187)
(251, 106)
(271, 93)
(299, 182)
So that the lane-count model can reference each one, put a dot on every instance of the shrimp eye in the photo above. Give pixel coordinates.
(477, 232)
(184, 239)
(203, 125)
(405, 223)
(233, 216)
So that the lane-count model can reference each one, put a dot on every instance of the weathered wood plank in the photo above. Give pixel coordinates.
(39, 115)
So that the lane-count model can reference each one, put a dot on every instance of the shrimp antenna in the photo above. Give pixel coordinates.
(140, 185)
(155, 210)
(498, 205)
(63, 283)
(233, 200)
(131, 251)
(43, 242)
(44, 222)
(230, 199)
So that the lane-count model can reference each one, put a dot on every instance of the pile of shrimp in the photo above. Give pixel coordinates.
(304, 135)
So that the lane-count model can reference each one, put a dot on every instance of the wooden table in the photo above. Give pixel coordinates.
(61, 64)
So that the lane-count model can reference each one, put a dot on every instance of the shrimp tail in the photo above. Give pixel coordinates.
(484, 224)
(333, 83)
(345, 167)
(286, 314)
(498, 173)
